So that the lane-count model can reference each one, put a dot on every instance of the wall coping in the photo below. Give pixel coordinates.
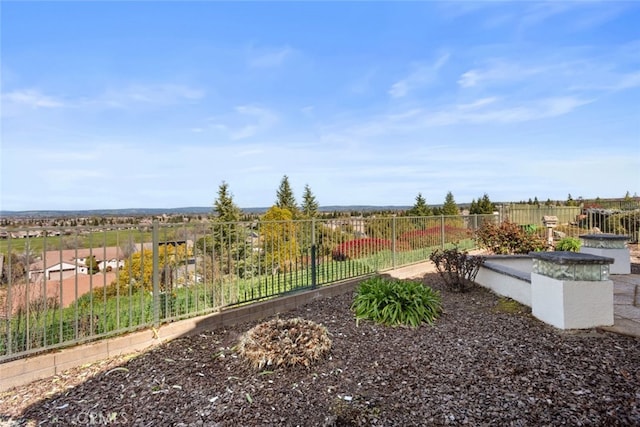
(508, 271)
(604, 236)
(571, 258)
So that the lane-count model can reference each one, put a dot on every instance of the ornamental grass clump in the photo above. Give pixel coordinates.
(396, 302)
(284, 342)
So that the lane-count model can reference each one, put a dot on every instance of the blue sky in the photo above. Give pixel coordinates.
(154, 104)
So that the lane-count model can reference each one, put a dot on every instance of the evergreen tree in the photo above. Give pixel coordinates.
(224, 208)
(420, 208)
(450, 207)
(473, 208)
(309, 204)
(285, 198)
(92, 264)
(224, 244)
(485, 205)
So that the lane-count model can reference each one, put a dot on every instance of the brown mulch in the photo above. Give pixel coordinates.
(482, 363)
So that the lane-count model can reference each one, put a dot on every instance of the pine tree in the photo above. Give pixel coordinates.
(223, 242)
(309, 204)
(285, 198)
(570, 201)
(224, 208)
(449, 207)
(485, 205)
(420, 208)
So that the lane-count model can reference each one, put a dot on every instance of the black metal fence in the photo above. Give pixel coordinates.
(62, 286)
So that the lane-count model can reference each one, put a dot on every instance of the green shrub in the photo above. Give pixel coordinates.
(457, 269)
(571, 244)
(508, 238)
(396, 302)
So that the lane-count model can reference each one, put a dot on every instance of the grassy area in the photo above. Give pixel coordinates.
(98, 239)
(94, 315)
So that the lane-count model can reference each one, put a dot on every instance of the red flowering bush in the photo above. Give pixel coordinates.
(358, 248)
(509, 238)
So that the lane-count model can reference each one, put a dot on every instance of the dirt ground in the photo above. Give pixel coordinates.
(486, 361)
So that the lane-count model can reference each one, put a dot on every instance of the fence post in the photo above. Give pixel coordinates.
(442, 241)
(155, 274)
(10, 296)
(314, 271)
(393, 242)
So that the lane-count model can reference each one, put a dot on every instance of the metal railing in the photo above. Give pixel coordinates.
(61, 287)
(575, 221)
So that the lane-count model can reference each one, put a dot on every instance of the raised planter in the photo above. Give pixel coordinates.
(567, 290)
(610, 246)
(571, 290)
(507, 275)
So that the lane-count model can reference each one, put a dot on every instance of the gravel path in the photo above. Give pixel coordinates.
(483, 363)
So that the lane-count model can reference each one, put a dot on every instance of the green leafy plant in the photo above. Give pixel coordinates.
(396, 302)
(509, 238)
(457, 268)
(571, 244)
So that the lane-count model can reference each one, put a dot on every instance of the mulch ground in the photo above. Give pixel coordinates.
(484, 362)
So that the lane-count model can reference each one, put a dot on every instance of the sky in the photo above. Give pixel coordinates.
(153, 104)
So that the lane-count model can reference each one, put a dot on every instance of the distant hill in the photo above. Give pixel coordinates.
(193, 210)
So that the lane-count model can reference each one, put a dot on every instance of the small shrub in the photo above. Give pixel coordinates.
(571, 244)
(284, 342)
(457, 268)
(396, 302)
(508, 238)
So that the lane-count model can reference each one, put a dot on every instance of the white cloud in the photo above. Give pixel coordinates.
(608, 81)
(535, 110)
(247, 121)
(421, 76)
(488, 110)
(32, 98)
(499, 71)
(267, 58)
(477, 104)
(137, 94)
(121, 98)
